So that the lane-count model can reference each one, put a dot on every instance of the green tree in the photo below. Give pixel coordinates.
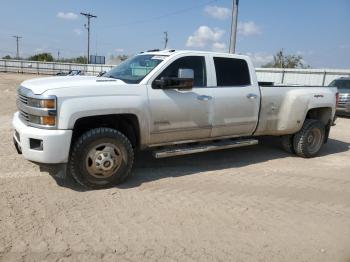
(80, 60)
(77, 60)
(281, 60)
(45, 57)
(7, 57)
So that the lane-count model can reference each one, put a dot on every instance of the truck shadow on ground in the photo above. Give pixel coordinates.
(147, 169)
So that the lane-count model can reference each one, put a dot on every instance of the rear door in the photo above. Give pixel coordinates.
(236, 99)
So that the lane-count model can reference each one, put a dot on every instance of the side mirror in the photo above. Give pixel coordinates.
(184, 81)
(101, 73)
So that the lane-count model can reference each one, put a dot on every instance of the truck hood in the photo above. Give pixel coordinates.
(41, 85)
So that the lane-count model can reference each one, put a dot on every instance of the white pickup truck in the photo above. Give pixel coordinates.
(173, 102)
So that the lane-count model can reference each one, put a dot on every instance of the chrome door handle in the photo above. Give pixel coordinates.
(252, 96)
(204, 98)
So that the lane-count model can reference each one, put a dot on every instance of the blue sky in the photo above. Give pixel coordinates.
(319, 30)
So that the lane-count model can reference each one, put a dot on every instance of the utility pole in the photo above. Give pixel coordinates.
(88, 16)
(233, 38)
(166, 39)
(58, 55)
(17, 41)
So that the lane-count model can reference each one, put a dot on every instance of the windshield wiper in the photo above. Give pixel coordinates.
(110, 76)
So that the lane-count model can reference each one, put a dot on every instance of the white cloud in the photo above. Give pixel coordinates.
(248, 28)
(119, 50)
(260, 59)
(219, 47)
(204, 36)
(217, 12)
(67, 16)
(78, 31)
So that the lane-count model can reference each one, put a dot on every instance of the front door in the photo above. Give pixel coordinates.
(179, 115)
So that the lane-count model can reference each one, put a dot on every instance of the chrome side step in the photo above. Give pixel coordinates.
(186, 150)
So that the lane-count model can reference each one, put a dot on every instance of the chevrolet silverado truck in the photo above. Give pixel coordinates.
(170, 102)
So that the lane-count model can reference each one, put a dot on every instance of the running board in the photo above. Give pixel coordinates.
(213, 146)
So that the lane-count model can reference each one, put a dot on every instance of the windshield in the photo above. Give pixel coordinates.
(133, 70)
(342, 85)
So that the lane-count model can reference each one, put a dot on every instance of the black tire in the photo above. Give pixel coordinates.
(94, 142)
(309, 140)
(287, 143)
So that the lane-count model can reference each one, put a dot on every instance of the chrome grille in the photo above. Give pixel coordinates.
(344, 99)
(23, 99)
(24, 116)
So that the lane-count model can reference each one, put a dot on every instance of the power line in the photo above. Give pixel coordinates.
(166, 15)
(233, 37)
(17, 42)
(88, 16)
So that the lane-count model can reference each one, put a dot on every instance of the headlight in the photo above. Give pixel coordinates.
(49, 121)
(42, 103)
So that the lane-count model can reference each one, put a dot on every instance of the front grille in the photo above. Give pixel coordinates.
(23, 99)
(344, 99)
(24, 116)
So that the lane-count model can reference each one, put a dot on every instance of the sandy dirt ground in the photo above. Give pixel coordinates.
(249, 204)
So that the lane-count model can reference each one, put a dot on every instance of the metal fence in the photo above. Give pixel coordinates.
(48, 68)
(310, 77)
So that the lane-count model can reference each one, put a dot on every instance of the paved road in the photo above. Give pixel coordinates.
(248, 204)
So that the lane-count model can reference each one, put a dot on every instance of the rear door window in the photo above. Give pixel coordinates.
(231, 72)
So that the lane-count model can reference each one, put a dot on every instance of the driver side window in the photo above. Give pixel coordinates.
(196, 63)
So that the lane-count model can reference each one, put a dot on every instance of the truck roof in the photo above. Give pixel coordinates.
(171, 52)
(343, 78)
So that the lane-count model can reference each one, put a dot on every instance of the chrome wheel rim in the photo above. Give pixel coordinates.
(103, 160)
(314, 140)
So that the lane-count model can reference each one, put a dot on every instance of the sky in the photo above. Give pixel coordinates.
(318, 30)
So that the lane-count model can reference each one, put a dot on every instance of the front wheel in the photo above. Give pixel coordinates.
(309, 140)
(101, 158)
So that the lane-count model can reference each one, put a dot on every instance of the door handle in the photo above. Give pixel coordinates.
(204, 98)
(252, 96)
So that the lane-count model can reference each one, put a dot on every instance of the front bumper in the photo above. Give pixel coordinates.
(343, 110)
(55, 144)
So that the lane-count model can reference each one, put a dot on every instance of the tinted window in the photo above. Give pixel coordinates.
(196, 63)
(231, 72)
(341, 84)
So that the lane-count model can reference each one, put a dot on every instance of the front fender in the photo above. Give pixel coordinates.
(71, 109)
